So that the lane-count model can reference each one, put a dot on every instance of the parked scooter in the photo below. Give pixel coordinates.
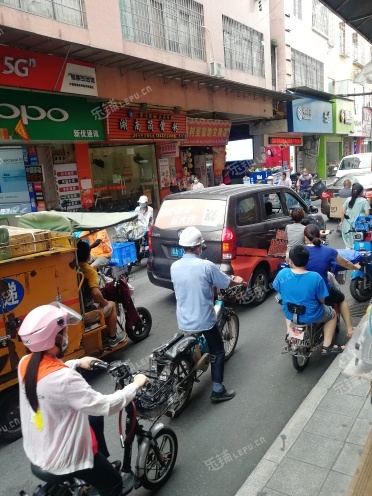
(157, 447)
(184, 357)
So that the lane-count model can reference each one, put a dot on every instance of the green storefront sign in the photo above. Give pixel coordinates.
(343, 116)
(45, 116)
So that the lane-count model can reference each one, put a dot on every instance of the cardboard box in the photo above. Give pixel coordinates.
(336, 210)
(28, 241)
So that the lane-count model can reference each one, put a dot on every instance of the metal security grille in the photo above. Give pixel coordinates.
(171, 25)
(307, 71)
(244, 50)
(320, 17)
(297, 8)
(67, 11)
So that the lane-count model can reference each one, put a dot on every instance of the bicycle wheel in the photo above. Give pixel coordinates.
(180, 369)
(155, 474)
(230, 335)
(142, 329)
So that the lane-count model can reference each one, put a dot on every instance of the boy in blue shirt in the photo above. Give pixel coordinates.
(301, 287)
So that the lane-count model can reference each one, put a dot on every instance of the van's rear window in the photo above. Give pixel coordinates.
(191, 212)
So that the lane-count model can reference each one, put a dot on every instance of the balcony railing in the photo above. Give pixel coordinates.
(66, 11)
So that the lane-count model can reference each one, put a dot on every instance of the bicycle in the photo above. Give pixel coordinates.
(157, 446)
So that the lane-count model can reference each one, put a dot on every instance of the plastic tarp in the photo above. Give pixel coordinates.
(74, 221)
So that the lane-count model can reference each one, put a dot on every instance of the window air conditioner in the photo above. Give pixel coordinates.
(217, 69)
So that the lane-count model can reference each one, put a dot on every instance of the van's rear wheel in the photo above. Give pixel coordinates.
(259, 286)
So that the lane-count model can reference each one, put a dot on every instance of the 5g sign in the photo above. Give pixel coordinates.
(32, 113)
(19, 67)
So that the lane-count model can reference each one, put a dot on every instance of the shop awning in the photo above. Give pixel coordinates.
(356, 13)
(311, 93)
(127, 63)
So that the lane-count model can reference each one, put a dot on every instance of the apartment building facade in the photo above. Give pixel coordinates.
(143, 73)
(317, 57)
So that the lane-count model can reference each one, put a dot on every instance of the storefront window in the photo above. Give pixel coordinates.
(124, 173)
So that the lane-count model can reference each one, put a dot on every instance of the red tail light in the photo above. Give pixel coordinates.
(228, 244)
(150, 238)
(327, 194)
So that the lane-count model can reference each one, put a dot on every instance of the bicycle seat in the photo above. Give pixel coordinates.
(296, 310)
(47, 476)
(160, 350)
(181, 346)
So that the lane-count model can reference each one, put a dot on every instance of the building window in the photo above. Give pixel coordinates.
(243, 46)
(67, 11)
(359, 55)
(320, 17)
(344, 45)
(171, 25)
(297, 8)
(307, 71)
(273, 66)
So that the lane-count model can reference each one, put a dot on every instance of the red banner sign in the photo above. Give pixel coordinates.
(169, 150)
(286, 141)
(207, 132)
(128, 124)
(27, 69)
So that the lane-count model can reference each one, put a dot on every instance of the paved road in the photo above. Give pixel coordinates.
(231, 437)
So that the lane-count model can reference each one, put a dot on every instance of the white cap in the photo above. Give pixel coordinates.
(190, 237)
(270, 177)
(143, 199)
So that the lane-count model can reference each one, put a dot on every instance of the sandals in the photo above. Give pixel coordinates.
(328, 350)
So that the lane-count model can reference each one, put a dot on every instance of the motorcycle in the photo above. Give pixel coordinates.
(302, 340)
(135, 321)
(157, 447)
(361, 280)
(185, 357)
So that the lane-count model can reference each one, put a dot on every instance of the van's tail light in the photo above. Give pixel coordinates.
(327, 194)
(228, 244)
(151, 228)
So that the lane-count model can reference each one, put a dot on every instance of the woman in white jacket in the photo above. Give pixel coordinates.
(55, 402)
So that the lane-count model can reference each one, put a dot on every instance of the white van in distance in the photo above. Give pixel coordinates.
(350, 163)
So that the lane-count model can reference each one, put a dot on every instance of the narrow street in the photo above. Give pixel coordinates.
(219, 445)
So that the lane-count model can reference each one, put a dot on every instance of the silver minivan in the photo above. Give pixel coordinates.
(350, 163)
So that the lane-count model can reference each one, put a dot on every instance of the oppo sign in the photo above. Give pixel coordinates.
(32, 113)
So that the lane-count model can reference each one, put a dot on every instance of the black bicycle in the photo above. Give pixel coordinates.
(157, 447)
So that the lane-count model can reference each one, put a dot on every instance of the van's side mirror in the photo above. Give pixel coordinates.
(314, 210)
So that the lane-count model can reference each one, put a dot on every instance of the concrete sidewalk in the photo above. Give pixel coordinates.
(318, 451)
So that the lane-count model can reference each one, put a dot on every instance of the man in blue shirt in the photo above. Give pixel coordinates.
(301, 287)
(194, 280)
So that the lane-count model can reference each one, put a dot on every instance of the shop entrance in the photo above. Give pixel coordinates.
(121, 174)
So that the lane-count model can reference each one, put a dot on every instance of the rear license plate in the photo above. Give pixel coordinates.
(295, 333)
(176, 251)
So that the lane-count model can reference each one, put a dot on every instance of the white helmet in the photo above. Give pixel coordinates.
(190, 237)
(143, 199)
(270, 177)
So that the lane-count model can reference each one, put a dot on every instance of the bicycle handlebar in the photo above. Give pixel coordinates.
(118, 369)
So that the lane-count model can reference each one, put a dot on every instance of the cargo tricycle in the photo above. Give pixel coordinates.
(38, 265)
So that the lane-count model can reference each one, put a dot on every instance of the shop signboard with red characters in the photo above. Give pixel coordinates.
(132, 124)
